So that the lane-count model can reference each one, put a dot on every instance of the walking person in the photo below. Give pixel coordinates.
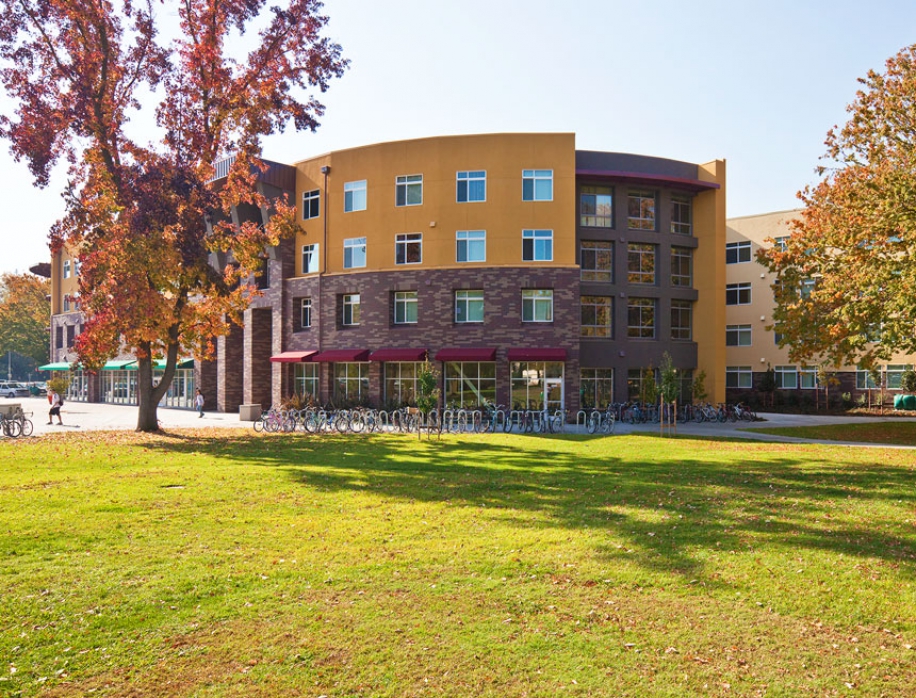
(199, 401)
(56, 402)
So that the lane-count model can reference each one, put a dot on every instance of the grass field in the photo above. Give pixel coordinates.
(867, 431)
(230, 564)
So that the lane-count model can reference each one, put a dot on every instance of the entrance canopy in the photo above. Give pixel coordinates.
(398, 355)
(59, 366)
(538, 354)
(467, 354)
(342, 355)
(290, 357)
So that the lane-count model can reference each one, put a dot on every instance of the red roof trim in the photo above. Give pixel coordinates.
(288, 357)
(398, 355)
(342, 355)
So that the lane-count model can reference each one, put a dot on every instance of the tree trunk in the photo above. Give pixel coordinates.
(149, 395)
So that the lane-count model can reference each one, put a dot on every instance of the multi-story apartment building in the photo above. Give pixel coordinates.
(752, 348)
(526, 271)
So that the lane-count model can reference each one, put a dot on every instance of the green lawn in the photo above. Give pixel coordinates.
(232, 564)
(867, 431)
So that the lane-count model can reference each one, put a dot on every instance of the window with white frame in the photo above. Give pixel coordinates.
(781, 243)
(737, 335)
(401, 382)
(310, 259)
(681, 267)
(537, 305)
(596, 386)
(641, 318)
(470, 383)
(305, 313)
(349, 308)
(738, 294)
(471, 245)
(537, 185)
(640, 263)
(738, 252)
(641, 210)
(351, 382)
(596, 207)
(408, 248)
(311, 204)
(469, 306)
(596, 260)
(738, 377)
(471, 186)
(409, 190)
(807, 377)
(405, 307)
(355, 196)
(354, 253)
(66, 307)
(597, 314)
(66, 268)
(865, 380)
(537, 245)
(894, 375)
(786, 377)
(305, 378)
(681, 214)
(681, 320)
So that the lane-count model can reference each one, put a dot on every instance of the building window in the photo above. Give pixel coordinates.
(472, 245)
(738, 377)
(893, 375)
(409, 190)
(401, 382)
(807, 377)
(262, 276)
(536, 385)
(305, 378)
(537, 245)
(641, 318)
(351, 383)
(355, 196)
(305, 313)
(537, 305)
(786, 377)
(738, 294)
(681, 214)
(471, 186)
(596, 260)
(354, 253)
(470, 383)
(597, 312)
(310, 259)
(405, 307)
(596, 207)
(865, 380)
(737, 335)
(468, 306)
(640, 263)
(641, 210)
(408, 248)
(66, 304)
(596, 386)
(681, 267)
(311, 204)
(781, 243)
(349, 309)
(737, 252)
(537, 185)
(681, 320)
(66, 268)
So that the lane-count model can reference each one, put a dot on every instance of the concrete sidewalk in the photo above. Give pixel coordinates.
(82, 416)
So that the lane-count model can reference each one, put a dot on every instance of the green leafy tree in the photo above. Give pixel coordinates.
(698, 388)
(845, 286)
(670, 386)
(24, 315)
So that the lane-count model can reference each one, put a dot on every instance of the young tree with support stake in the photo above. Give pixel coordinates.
(845, 286)
(136, 213)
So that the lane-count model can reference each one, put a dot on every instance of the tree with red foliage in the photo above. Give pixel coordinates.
(137, 213)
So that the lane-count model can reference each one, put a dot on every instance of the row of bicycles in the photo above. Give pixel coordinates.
(637, 413)
(313, 420)
(16, 424)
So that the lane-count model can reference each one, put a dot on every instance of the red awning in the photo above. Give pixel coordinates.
(467, 354)
(398, 355)
(342, 355)
(288, 357)
(541, 354)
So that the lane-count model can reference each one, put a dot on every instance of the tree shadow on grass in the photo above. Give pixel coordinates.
(661, 499)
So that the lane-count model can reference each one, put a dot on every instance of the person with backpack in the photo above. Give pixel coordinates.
(56, 402)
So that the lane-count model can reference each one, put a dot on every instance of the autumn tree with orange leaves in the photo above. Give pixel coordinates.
(845, 286)
(137, 212)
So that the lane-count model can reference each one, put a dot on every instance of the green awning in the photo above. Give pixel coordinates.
(159, 364)
(128, 365)
(59, 366)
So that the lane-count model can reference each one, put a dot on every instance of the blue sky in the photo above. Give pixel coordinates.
(756, 84)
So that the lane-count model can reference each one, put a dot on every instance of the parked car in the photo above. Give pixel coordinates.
(13, 389)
